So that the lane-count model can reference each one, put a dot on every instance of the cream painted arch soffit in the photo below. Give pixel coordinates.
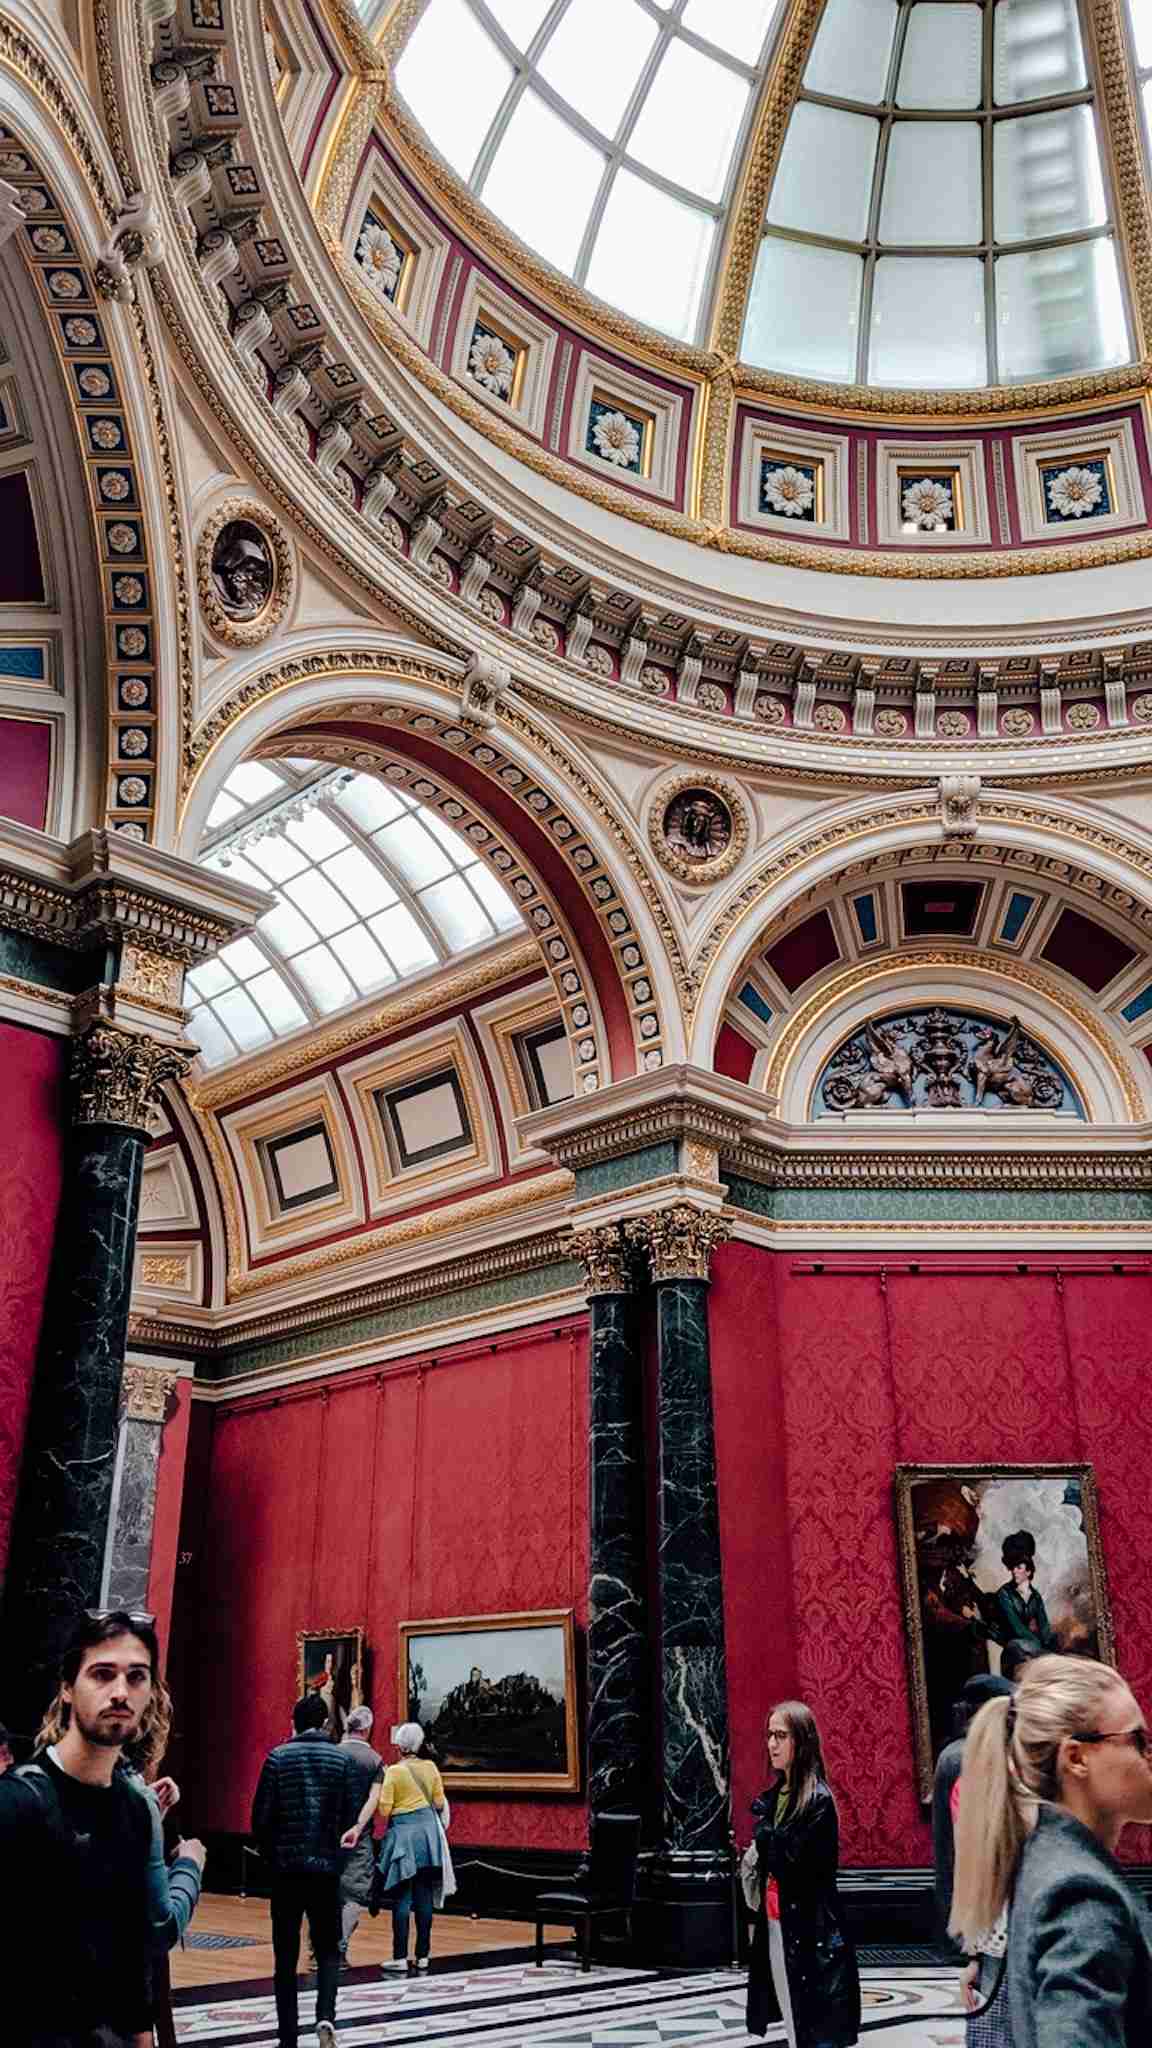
(339, 483)
(59, 167)
(398, 726)
(1054, 848)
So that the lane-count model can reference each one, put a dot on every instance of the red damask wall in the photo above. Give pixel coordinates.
(30, 1170)
(451, 1484)
(824, 1383)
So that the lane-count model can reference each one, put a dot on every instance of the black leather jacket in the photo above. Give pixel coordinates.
(309, 1792)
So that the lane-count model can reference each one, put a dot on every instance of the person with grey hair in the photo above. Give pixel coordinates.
(410, 1798)
(356, 1877)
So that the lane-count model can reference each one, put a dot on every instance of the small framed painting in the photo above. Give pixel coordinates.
(993, 1554)
(496, 1697)
(331, 1662)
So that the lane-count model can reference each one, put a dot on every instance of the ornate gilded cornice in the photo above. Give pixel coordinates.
(636, 1130)
(966, 1168)
(117, 1076)
(678, 1242)
(522, 1254)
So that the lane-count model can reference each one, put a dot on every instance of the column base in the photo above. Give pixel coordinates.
(685, 1915)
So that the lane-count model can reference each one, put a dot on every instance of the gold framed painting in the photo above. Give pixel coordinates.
(496, 1697)
(330, 1661)
(992, 1554)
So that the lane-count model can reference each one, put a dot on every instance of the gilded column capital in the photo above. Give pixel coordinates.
(678, 1241)
(607, 1258)
(117, 1076)
(146, 1391)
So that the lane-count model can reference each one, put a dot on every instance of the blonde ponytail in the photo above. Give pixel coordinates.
(1011, 1760)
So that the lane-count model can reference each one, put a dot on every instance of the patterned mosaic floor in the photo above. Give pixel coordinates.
(557, 2007)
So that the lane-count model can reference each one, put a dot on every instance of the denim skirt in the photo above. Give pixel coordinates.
(412, 1843)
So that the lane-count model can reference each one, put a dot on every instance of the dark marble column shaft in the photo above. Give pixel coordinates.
(619, 1735)
(59, 1537)
(696, 1777)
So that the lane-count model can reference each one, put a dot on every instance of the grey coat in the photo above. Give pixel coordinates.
(1079, 1972)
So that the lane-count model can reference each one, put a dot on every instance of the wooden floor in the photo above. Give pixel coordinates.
(452, 1935)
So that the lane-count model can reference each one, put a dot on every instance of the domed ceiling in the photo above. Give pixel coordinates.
(940, 213)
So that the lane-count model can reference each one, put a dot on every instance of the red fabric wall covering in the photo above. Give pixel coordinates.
(25, 769)
(453, 1485)
(821, 1388)
(31, 1164)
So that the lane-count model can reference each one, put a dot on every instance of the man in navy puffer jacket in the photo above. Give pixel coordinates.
(309, 1792)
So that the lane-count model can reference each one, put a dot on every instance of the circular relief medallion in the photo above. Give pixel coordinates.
(699, 829)
(244, 572)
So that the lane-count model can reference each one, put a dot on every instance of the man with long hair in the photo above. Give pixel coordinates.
(76, 1839)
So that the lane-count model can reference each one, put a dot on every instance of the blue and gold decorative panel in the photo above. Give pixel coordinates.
(792, 487)
(23, 664)
(619, 434)
(943, 1058)
(1015, 917)
(931, 500)
(1077, 491)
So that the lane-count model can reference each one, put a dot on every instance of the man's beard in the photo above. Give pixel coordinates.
(107, 1732)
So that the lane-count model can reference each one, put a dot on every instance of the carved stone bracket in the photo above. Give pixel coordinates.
(117, 1076)
(959, 801)
(485, 682)
(136, 243)
(608, 1258)
(678, 1241)
(146, 1391)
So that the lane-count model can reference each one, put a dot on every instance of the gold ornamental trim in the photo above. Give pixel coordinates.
(862, 975)
(411, 1230)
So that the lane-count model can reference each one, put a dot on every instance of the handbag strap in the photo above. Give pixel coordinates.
(406, 1766)
(977, 2012)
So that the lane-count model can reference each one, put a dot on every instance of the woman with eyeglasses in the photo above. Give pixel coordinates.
(802, 1967)
(1051, 1777)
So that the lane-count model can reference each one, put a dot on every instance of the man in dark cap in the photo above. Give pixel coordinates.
(977, 1692)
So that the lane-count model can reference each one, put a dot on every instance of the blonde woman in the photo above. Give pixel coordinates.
(1051, 1777)
(802, 1967)
(410, 1866)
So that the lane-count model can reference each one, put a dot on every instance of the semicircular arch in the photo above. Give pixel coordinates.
(402, 717)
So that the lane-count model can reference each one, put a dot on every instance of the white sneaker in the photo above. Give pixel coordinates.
(325, 2034)
(398, 1967)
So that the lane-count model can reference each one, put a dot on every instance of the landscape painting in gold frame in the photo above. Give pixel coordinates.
(496, 1697)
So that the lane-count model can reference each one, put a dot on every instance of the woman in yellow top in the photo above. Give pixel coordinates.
(410, 1797)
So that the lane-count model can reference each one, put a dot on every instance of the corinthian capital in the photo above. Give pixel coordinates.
(146, 1391)
(678, 1241)
(117, 1076)
(606, 1256)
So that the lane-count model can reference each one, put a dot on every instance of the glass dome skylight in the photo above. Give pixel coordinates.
(607, 134)
(371, 887)
(939, 215)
